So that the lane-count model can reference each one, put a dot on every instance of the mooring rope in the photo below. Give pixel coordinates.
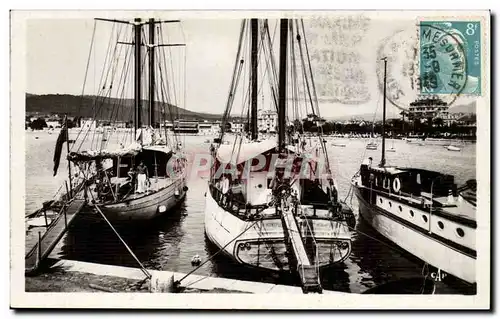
(211, 257)
(143, 269)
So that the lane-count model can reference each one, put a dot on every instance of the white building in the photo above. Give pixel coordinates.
(237, 127)
(267, 121)
(209, 128)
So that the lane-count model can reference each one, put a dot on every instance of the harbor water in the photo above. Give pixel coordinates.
(170, 242)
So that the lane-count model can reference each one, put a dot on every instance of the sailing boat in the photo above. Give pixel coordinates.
(142, 175)
(267, 205)
(421, 211)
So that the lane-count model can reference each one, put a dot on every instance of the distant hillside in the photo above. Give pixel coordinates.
(466, 108)
(108, 108)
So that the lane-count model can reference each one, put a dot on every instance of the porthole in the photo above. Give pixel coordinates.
(440, 225)
(390, 204)
(460, 232)
(400, 208)
(380, 200)
(412, 213)
(424, 218)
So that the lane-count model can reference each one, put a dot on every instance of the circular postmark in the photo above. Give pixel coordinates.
(428, 61)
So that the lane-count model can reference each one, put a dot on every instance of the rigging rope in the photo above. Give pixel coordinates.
(237, 69)
(119, 102)
(85, 76)
(211, 257)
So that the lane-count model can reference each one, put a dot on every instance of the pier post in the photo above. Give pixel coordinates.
(160, 282)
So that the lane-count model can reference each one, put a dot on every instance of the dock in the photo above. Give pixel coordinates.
(55, 231)
(202, 283)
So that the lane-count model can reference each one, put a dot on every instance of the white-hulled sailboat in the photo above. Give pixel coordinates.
(272, 204)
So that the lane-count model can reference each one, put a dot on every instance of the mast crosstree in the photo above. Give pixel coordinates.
(138, 24)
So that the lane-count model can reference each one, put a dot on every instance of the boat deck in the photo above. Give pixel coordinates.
(156, 184)
(463, 209)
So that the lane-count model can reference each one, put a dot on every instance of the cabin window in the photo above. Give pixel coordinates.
(418, 179)
(440, 225)
(460, 232)
(390, 204)
(380, 200)
(400, 208)
(424, 218)
(412, 213)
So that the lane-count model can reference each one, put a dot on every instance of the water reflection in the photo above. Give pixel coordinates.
(380, 261)
(224, 266)
(92, 240)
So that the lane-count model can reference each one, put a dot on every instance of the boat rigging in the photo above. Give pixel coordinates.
(280, 188)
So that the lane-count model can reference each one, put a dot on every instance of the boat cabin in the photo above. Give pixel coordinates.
(115, 176)
(247, 185)
(407, 181)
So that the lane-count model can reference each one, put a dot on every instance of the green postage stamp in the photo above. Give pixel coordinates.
(450, 57)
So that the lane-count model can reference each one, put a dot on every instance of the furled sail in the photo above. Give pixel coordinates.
(89, 155)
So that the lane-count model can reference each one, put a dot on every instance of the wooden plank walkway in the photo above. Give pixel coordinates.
(294, 234)
(52, 236)
(308, 272)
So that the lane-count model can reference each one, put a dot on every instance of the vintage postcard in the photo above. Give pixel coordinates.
(317, 160)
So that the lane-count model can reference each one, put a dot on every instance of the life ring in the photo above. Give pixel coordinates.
(396, 185)
(386, 183)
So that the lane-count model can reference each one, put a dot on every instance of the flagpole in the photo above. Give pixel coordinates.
(67, 151)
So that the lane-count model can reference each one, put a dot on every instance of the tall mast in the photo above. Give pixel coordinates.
(253, 76)
(282, 83)
(137, 75)
(151, 47)
(382, 160)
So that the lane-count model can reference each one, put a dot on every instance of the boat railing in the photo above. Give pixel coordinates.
(235, 206)
(408, 197)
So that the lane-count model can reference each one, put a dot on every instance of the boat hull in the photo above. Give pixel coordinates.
(149, 206)
(453, 148)
(262, 245)
(417, 242)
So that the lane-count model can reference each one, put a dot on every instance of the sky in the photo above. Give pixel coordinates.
(345, 52)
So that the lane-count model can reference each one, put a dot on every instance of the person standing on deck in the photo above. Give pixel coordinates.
(225, 189)
(142, 174)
